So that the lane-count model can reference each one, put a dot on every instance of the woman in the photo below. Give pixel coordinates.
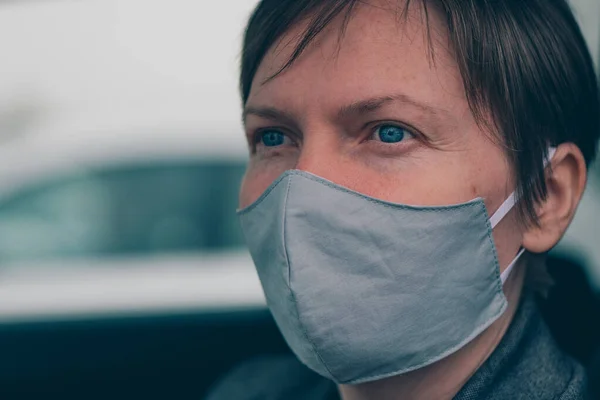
(411, 163)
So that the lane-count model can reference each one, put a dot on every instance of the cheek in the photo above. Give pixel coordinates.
(435, 179)
(246, 194)
(258, 178)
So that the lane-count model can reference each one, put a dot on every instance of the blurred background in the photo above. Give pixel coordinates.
(122, 268)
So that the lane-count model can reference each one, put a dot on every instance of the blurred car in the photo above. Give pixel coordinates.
(122, 221)
(122, 267)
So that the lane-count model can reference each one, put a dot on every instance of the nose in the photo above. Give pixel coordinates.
(311, 162)
(322, 154)
(318, 154)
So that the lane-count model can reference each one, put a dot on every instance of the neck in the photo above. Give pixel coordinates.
(444, 379)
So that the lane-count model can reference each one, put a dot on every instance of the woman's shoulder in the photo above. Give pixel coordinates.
(272, 378)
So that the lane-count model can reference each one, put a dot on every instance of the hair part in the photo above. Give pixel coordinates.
(528, 75)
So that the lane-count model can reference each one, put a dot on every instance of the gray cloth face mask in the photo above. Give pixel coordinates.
(363, 289)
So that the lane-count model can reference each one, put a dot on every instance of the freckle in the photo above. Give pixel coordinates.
(474, 190)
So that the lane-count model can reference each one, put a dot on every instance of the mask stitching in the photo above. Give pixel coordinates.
(490, 236)
(265, 194)
(469, 338)
(394, 206)
(289, 283)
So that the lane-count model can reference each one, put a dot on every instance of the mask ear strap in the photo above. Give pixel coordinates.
(506, 273)
(510, 202)
(503, 210)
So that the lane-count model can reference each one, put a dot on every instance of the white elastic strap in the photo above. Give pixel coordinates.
(551, 153)
(512, 199)
(506, 273)
(503, 210)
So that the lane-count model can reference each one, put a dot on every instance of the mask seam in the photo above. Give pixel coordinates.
(289, 283)
(384, 203)
(265, 194)
(469, 338)
(490, 236)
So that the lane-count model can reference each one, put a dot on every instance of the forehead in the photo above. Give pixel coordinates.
(379, 52)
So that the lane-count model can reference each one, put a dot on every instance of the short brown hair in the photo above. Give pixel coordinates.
(524, 62)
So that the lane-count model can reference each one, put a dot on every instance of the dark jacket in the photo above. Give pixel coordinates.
(529, 363)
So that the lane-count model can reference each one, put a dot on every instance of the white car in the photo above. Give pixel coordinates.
(122, 221)
(120, 157)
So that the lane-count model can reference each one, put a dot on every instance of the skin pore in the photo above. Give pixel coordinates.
(373, 113)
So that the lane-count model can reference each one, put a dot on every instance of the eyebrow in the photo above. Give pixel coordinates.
(357, 108)
(374, 104)
(270, 113)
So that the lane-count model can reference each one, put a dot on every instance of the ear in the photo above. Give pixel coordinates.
(566, 177)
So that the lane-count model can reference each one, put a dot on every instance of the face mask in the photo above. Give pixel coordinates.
(364, 289)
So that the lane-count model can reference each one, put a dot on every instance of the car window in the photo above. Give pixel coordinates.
(136, 210)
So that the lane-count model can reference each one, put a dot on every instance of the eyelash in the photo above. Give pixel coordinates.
(381, 124)
(256, 136)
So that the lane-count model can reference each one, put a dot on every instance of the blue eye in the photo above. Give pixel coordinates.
(272, 138)
(391, 134)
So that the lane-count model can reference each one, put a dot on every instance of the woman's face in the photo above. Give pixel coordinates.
(373, 113)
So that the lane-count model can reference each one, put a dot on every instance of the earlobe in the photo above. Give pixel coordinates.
(565, 179)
